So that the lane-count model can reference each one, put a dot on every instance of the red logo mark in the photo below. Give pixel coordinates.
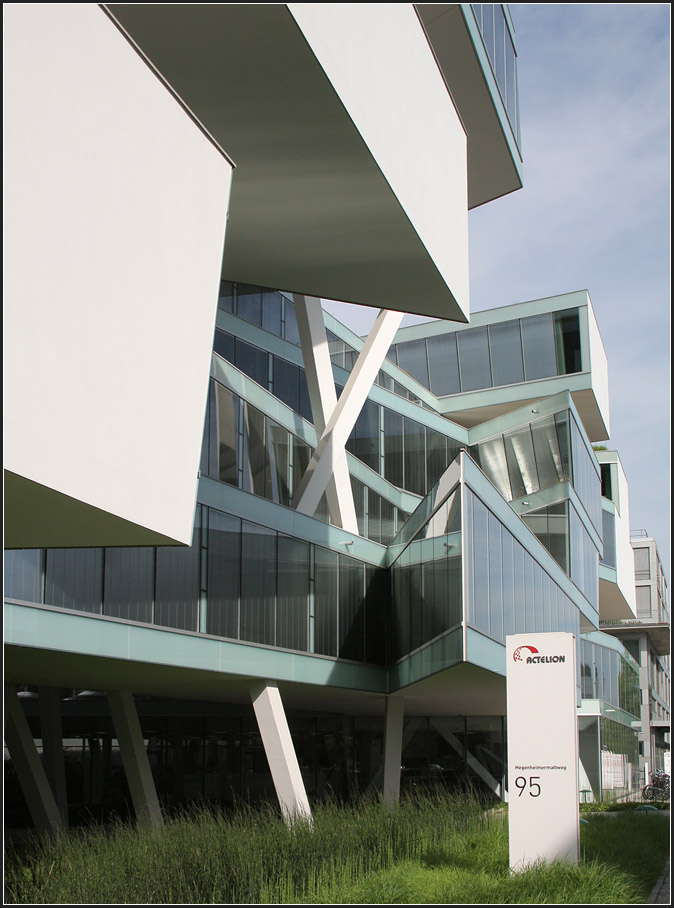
(516, 655)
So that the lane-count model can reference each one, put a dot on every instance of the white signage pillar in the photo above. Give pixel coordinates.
(543, 815)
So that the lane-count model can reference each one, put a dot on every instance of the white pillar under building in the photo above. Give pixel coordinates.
(29, 769)
(280, 751)
(134, 758)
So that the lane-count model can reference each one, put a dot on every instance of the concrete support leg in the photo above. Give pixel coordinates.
(134, 758)
(52, 746)
(393, 748)
(278, 746)
(29, 769)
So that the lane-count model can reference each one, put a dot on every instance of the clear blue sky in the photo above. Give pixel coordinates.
(594, 214)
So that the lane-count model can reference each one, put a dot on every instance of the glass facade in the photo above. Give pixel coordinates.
(527, 459)
(407, 453)
(506, 353)
(237, 580)
(609, 676)
(245, 448)
(498, 42)
(507, 591)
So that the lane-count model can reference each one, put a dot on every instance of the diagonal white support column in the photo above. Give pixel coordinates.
(330, 449)
(134, 758)
(29, 770)
(278, 747)
(393, 748)
(323, 397)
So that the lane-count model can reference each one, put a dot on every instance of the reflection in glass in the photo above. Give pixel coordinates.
(128, 586)
(443, 364)
(292, 604)
(73, 579)
(258, 584)
(224, 574)
(538, 345)
(474, 359)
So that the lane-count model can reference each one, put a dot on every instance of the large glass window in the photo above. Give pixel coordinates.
(415, 457)
(224, 574)
(128, 588)
(567, 342)
(177, 584)
(608, 535)
(538, 345)
(474, 359)
(73, 579)
(226, 406)
(258, 584)
(326, 585)
(443, 364)
(351, 609)
(23, 574)
(412, 358)
(505, 346)
(292, 608)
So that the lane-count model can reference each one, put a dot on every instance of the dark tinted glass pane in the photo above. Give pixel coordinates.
(129, 583)
(505, 346)
(223, 344)
(292, 612)
(256, 456)
(301, 457)
(177, 585)
(364, 439)
(351, 610)
(567, 342)
(74, 579)
(277, 442)
(415, 457)
(227, 434)
(271, 312)
(258, 584)
(252, 362)
(437, 456)
(608, 533)
(226, 296)
(376, 610)
(305, 401)
(412, 358)
(443, 364)
(325, 602)
(538, 344)
(474, 359)
(286, 382)
(292, 335)
(23, 575)
(224, 572)
(393, 448)
(249, 303)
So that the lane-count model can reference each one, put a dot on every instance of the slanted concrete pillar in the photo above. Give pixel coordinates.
(280, 751)
(52, 746)
(393, 748)
(29, 769)
(134, 758)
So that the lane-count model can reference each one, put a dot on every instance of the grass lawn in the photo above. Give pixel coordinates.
(428, 849)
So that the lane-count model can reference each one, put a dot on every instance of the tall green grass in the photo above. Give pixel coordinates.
(428, 849)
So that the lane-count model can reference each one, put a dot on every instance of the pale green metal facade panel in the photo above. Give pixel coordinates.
(42, 627)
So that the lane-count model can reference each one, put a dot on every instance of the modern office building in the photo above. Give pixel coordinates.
(647, 638)
(260, 556)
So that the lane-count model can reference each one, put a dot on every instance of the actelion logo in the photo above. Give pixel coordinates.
(536, 658)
